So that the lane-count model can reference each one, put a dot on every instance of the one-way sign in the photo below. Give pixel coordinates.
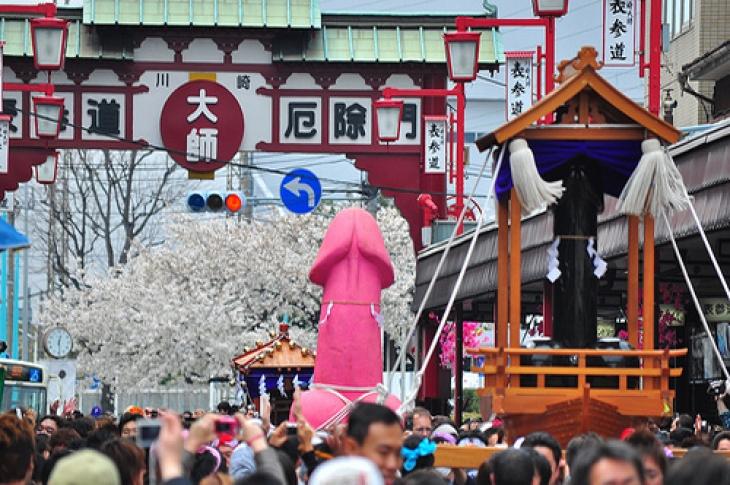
(300, 191)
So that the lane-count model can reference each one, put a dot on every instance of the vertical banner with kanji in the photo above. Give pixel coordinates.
(435, 144)
(519, 82)
(4, 142)
(619, 32)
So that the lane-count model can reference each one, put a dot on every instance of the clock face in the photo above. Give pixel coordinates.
(58, 342)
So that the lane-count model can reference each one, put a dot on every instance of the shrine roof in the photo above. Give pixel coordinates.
(579, 76)
(387, 42)
(279, 352)
(302, 14)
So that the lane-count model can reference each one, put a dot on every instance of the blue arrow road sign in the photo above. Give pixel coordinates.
(300, 191)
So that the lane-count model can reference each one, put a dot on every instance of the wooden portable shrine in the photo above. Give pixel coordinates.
(593, 147)
(278, 362)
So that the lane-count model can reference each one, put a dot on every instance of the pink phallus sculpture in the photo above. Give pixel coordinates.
(353, 267)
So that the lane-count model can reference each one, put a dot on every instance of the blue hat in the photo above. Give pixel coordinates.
(96, 411)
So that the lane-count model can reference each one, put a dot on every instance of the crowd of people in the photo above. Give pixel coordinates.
(375, 446)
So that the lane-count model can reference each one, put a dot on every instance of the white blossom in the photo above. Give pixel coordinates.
(179, 312)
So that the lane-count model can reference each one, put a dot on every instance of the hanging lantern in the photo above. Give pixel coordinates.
(388, 117)
(46, 172)
(462, 55)
(49, 42)
(549, 8)
(48, 111)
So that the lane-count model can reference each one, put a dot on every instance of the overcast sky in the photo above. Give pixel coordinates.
(582, 26)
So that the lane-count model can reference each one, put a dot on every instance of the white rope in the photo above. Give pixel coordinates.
(348, 404)
(432, 283)
(710, 252)
(694, 298)
(411, 396)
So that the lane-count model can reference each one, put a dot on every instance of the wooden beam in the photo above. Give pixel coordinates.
(502, 272)
(555, 132)
(632, 310)
(515, 270)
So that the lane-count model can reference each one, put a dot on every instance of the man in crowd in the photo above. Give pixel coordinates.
(422, 422)
(374, 432)
(609, 463)
(548, 447)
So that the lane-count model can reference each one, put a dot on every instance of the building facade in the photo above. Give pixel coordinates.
(693, 28)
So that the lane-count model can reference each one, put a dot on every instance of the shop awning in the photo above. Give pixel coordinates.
(10, 238)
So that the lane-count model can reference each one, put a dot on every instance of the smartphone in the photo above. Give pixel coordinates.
(226, 425)
(147, 432)
(291, 429)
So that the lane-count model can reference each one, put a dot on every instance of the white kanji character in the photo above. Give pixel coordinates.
(202, 109)
(208, 144)
(192, 146)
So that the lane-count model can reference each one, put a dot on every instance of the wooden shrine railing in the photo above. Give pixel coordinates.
(528, 380)
(450, 456)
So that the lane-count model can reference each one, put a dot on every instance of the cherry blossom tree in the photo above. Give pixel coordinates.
(177, 313)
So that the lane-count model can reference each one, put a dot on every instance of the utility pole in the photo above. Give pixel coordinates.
(10, 291)
(245, 181)
(28, 197)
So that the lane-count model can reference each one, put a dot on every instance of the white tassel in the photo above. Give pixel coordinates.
(656, 184)
(532, 190)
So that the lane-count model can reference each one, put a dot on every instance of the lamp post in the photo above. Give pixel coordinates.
(547, 11)
(462, 59)
(48, 35)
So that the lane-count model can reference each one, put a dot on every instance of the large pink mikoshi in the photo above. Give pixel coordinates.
(353, 267)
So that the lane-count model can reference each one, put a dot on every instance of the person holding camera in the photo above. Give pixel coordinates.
(718, 389)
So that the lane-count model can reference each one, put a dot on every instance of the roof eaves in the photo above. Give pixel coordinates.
(702, 68)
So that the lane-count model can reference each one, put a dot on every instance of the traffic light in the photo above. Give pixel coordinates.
(216, 201)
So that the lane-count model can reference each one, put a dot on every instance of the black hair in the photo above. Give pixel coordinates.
(258, 478)
(699, 467)
(542, 466)
(287, 466)
(472, 435)
(224, 407)
(422, 477)
(648, 445)
(83, 426)
(612, 450)
(512, 467)
(425, 461)
(126, 418)
(366, 414)
(60, 423)
(685, 421)
(541, 438)
(579, 443)
(724, 435)
(100, 436)
(680, 435)
(204, 464)
(483, 473)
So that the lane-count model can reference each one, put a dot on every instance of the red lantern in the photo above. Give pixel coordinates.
(549, 8)
(46, 172)
(462, 55)
(49, 42)
(48, 112)
(388, 118)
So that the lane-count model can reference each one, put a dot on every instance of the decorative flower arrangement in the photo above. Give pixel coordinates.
(475, 335)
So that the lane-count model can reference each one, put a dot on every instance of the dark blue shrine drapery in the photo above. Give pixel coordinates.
(616, 159)
(271, 377)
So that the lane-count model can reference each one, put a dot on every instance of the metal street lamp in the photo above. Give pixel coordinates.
(462, 55)
(48, 113)
(49, 42)
(46, 172)
(388, 118)
(550, 8)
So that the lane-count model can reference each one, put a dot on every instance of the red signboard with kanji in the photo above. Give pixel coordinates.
(201, 125)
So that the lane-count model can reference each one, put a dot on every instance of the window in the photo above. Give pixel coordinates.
(679, 15)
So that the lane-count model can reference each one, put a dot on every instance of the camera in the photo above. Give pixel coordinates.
(717, 388)
(147, 432)
(226, 425)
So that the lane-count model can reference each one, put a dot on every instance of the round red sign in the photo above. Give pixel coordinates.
(202, 125)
